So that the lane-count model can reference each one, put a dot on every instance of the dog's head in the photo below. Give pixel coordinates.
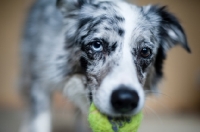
(121, 48)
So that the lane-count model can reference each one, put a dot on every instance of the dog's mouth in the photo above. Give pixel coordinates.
(105, 123)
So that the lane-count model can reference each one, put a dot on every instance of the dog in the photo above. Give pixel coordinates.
(108, 52)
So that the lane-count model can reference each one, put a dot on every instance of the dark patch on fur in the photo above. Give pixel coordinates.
(90, 96)
(96, 5)
(84, 36)
(83, 63)
(80, 3)
(107, 28)
(99, 20)
(109, 49)
(119, 18)
(144, 63)
(112, 48)
(160, 57)
(102, 5)
(121, 32)
(84, 21)
(104, 8)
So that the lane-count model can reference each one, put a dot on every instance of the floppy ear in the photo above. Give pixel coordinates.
(70, 5)
(171, 33)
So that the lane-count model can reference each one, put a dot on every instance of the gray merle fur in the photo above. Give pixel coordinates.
(59, 53)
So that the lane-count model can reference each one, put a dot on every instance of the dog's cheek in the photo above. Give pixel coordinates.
(144, 64)
(143, 67)
(76, 91)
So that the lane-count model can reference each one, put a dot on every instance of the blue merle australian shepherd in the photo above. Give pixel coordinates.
(104, 51)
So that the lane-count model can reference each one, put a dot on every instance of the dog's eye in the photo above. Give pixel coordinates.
(97, 46)
(145, 52)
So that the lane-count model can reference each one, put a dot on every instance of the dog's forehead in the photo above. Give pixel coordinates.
(137, 26)
(125, 19)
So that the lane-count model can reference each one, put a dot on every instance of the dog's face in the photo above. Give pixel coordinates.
(121, 48)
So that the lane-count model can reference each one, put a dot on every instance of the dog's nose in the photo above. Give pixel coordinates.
(124, 100)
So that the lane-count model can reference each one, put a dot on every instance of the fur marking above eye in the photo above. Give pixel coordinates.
(119, 18)
(145, 52)
(84, 21)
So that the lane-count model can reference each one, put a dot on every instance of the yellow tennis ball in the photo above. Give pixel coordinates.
(101, 123)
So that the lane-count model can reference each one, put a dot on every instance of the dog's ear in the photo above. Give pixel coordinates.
(170, 31)
(70, 5)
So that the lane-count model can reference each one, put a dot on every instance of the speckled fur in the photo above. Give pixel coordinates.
(57, 53)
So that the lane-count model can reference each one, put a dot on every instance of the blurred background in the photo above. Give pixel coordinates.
(176, 108)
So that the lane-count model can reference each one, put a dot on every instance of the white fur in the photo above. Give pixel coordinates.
(75, 90)
(125, 72)
(42, 122)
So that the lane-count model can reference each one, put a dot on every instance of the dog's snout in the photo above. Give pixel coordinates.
(124, 100)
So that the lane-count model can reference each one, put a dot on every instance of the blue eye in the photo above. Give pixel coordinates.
(145, 52)
(97, 46)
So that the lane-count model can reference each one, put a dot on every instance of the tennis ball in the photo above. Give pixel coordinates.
(101, 123)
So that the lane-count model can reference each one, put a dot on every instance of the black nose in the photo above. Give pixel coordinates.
(124, 100)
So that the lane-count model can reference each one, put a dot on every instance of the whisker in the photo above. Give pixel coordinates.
(156, 92)
(154, 112)
(145, 111)
(158, 102)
